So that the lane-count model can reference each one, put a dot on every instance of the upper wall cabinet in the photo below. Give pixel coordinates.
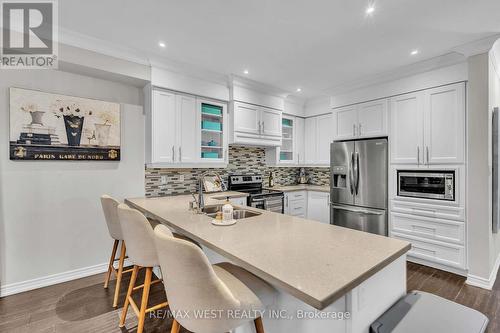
(317, 140)
(185, 131)
(428, 127)
(291, 151)
(255, 125)
(361, 120)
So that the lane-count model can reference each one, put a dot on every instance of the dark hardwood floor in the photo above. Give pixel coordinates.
(84, 306)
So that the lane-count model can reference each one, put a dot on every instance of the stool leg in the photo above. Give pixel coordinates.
(144, 300)
(176, 327)
(131, 285)
(259, 327)
(119, 274)
(111, 261)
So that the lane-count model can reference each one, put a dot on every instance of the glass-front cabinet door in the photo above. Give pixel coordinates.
(287, 149)
(213, 134)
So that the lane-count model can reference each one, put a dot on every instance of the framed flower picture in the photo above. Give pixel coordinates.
(45, 126)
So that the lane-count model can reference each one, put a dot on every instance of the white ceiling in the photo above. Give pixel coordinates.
(313, 44)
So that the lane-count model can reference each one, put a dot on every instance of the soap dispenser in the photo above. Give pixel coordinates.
(227, 211)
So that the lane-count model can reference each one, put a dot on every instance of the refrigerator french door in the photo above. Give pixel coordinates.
(359, 185)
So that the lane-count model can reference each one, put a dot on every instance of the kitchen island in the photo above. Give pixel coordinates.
(329, 278)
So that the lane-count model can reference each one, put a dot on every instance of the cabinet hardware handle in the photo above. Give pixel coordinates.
(287, 201)
(427, 153)
(359, 129)
(328, 200)
(180, 154)
(260, 130)
(298, 158)
(263, 124)
(418, 155)
(353, 129)
(173, 153)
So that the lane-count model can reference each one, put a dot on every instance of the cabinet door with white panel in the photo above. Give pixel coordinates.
(240, 201)
(270, 122)
(318, 206)
(246, 118)
(407, 129)
(187, 143)
(163, 126)
(372, 118)
(444, 124)
(324, 138)
(310, 141)
(300, 140)
(346, 119)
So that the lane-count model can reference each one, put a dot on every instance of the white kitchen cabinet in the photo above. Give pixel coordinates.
(176, 137)
(300, 140)
(291, 151)
(372, 118)
(296, 203)
(444, 124)
(346, 122)
(428, 127)
(270, 122)
(255, 125)
(310, 140)
(361, 120)
(246, 118)
(407, 132)
(318, 137)
(324, 138)
(163, 127)
(318, 206)
(187, 143)
(214, 141)
(240, 201)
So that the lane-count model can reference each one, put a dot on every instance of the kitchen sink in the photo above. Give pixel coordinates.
(238, 214)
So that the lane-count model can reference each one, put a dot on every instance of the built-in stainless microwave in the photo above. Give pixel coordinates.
(427, 184)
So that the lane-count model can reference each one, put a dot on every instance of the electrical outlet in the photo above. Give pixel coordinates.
(163, 180)
(181, 178)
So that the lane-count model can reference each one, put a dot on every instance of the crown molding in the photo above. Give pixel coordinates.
(477, 47)
(242, 82)
(445, 60)
(97, 45)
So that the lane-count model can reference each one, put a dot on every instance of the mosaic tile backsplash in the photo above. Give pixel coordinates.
(242, 161)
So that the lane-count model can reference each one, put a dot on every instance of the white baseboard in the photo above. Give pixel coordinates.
(445, 268)
(49, 280)
(481, 282)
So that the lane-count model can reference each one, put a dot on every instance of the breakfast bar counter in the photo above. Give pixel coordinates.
(314, 266)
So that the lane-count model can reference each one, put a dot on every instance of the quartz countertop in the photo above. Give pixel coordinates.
(315, 262)
(301, 187)
(225, 194)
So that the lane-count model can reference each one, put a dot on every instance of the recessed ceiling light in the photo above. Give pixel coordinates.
(414, 52)
(371, 7)
(246, 71)
(299, 90)
(162, 44)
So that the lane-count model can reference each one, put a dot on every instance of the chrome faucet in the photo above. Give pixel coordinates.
(200, 202)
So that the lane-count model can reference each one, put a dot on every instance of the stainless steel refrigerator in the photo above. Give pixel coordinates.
(358, 185)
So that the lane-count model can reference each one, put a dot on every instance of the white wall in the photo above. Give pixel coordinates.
(50, 215)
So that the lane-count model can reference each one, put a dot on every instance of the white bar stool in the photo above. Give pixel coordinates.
(193, 284)
(110, 206)
(139, 235)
